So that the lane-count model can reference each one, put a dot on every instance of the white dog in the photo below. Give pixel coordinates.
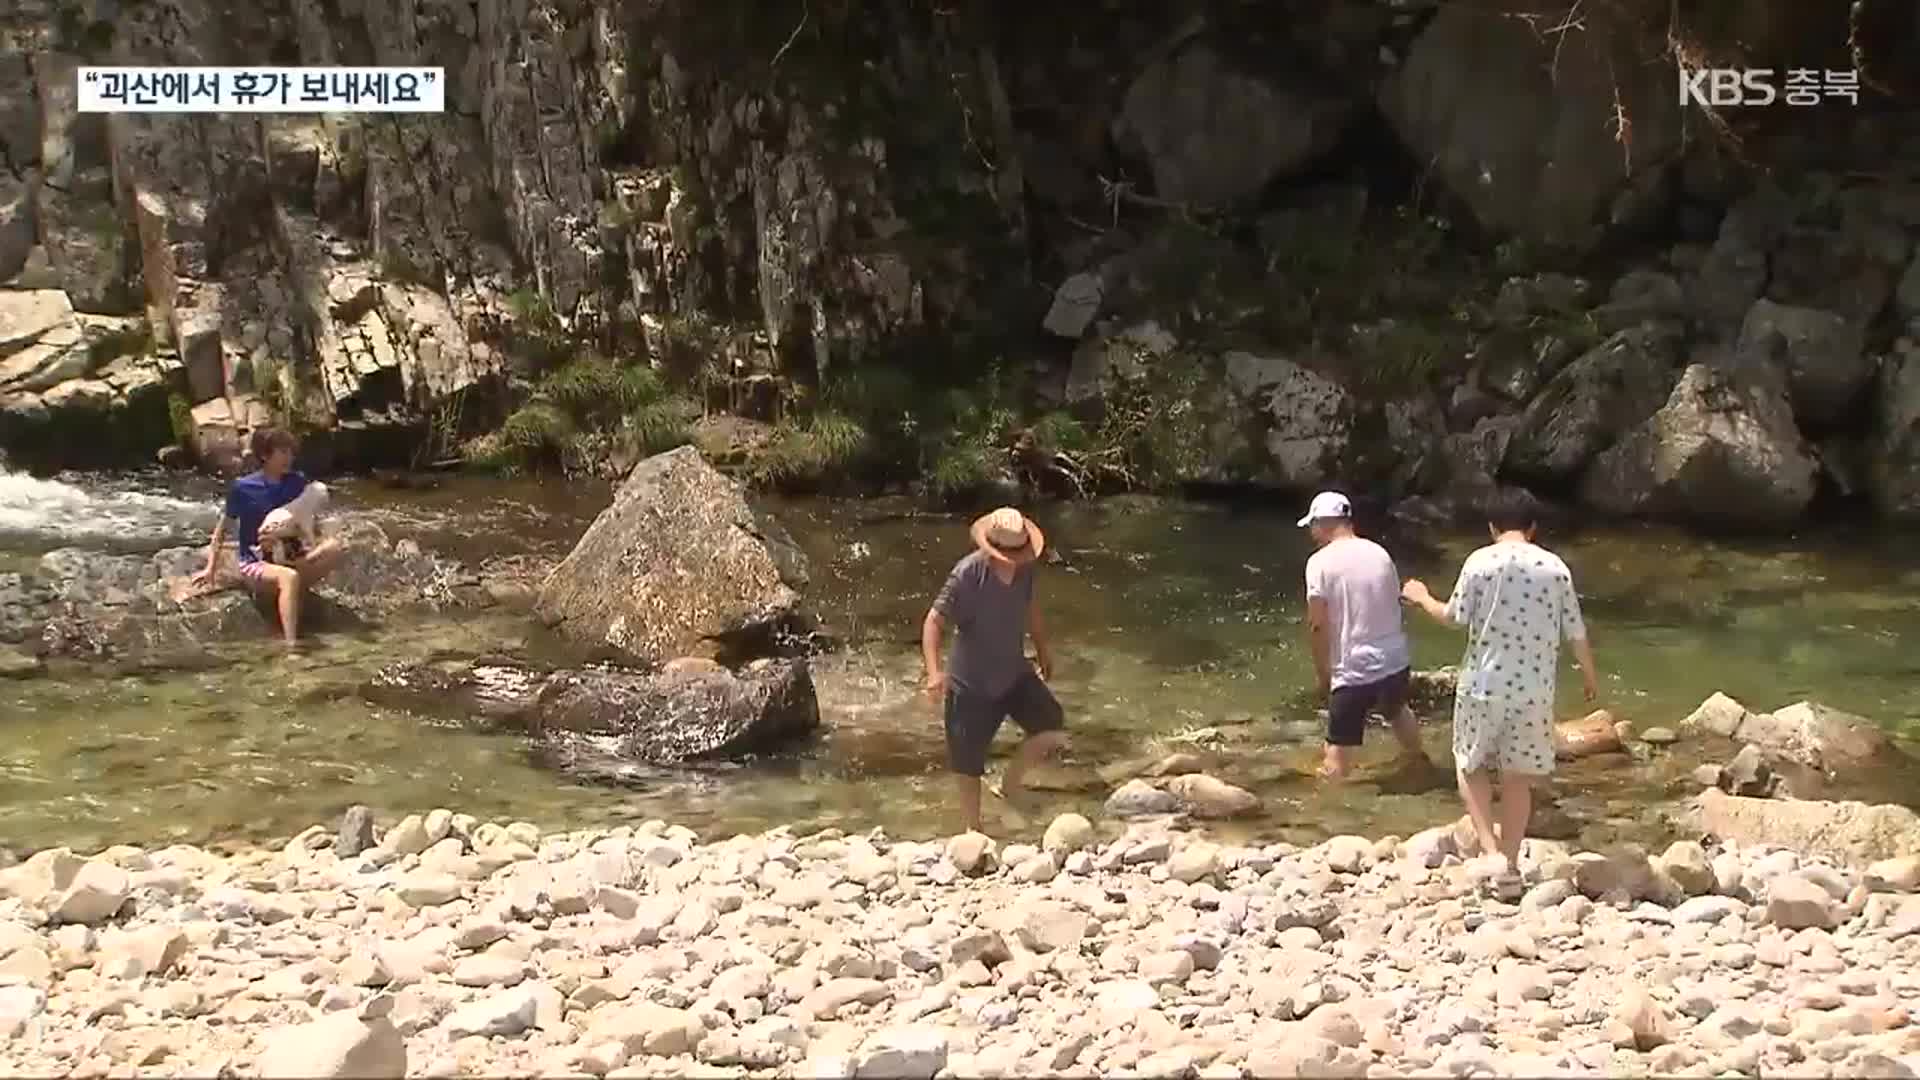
(294, 529)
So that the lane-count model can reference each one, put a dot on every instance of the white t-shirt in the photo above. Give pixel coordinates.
(1517, 603)
(1357, 579)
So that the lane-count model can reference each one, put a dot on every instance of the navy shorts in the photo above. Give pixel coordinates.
(1349, 707)
(974, 719)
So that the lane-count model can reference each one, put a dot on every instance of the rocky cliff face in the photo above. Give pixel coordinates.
(758, 193)
(603, 170)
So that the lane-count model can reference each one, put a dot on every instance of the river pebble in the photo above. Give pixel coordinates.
(453, 947)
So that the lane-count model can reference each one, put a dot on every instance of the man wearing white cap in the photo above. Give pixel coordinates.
(988, 599)
(1360, 650)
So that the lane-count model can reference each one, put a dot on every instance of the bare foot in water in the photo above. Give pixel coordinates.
(1011, 798)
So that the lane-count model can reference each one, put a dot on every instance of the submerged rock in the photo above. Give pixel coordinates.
(598, 715)
(678, 564)
(1596, 733)
(1137, 798)
(1205, 797)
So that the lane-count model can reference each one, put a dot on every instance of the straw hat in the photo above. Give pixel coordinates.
(1010, 531)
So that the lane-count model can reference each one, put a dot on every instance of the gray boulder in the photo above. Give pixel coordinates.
(1807, 733)
(1214, 135)
(1847, 832)
(41, 341)
(1307, 416)
(1102, 364)
(1641, 296)
(1075, 303)
(1520, 124)
(678, 565)
(1734, 272)
(1845, 255)
(16, 222)
(597, 720)
(1582, 410)
(1722, 451)
(1893, 473)
(1823, 356)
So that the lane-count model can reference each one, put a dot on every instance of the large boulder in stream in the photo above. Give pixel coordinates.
(594, 719)
(1724, 451)
(680, 564)
(140, 609)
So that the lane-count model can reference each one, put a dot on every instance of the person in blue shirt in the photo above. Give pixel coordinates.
(249, 500)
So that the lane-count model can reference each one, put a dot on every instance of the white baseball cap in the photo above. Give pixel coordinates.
(1328, 505)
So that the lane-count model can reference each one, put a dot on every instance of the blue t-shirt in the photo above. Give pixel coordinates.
(252, 498)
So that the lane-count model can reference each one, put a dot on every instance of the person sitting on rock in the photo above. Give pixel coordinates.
(1517, 603)
(990, 604)
(249, 500)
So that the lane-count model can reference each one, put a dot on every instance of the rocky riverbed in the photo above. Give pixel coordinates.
(450, 947)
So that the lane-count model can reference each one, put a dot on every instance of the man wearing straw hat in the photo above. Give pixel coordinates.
(988, 600)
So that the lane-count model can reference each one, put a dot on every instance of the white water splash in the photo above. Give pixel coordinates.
(54, 513)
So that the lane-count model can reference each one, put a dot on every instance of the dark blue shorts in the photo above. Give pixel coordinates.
(974, 719)
(1349, 707)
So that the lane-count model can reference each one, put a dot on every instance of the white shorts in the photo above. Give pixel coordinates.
(1511, 735)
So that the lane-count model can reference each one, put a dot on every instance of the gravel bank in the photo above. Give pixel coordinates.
(455, 948)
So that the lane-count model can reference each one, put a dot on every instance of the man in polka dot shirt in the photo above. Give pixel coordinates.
(1516, 602)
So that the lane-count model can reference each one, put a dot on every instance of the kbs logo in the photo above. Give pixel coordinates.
(1722, 87)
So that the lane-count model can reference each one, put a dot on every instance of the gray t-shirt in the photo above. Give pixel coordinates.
(1357, 579)
(989, 618)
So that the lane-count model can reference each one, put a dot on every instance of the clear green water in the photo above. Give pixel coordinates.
(1178, 627)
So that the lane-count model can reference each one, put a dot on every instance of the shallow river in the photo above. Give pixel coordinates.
(1178, 627)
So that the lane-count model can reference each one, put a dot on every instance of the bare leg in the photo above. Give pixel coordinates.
(1476, 790)
(1338, 762)
(1033, 750)
(320, 561)
(968, 788)
(283, 584)
(1516, 803)
(1406, 728)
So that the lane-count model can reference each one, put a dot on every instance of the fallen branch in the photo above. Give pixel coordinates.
(805, 14)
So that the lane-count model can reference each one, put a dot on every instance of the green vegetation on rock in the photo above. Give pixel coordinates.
(180, 419)
(580, 412)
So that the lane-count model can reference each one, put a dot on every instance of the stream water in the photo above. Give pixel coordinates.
(1178, 627)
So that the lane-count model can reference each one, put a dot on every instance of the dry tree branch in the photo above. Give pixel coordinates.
(1571, 19)
(1622, 123)
(1686, 54)
(806, 13)
(966, 123)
